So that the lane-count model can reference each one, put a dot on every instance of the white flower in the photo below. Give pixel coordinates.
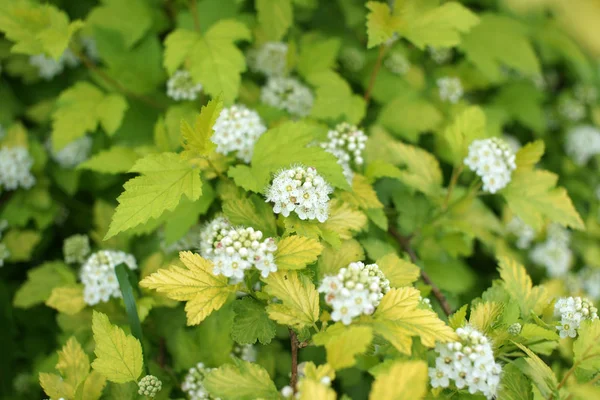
(98, 275)
(15, 168)
(287, 392)
(440, 55)
(582, 143)
(236, 130)
(193, 383)
(181, 86)
(493, 160)
(573, 310)
(355, 290)
(512, 142)
(347, 143)
(450, 89)
(352, 59)
(397, 63)
(469, 363)
(246, 352)
(48, 67)
(270, 59)
(524, 233)
(301, 190)
(287, 94)
(590, 280)
(571, 109)
(554, 254)
(235, 250)
(73, 153)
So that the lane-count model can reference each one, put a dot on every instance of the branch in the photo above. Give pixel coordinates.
(374, 73)
(294, 343)
(404, 242)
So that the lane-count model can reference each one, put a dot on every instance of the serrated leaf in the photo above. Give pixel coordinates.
(118, 356)
(362, 195)
(317, 54)
(459, 318)
(296, 252)
(40, 283)
(132, 19)
(515, 386)
(586, 348)
(73, 364)
(334, 98)
(398, 271)
(529, 155)
(299, 305)
(251, 322)
(344, 219)
(403, 380)
(343, 343)
(67, 299)
(274, 17)
(115, 160)
(484, 315)
(92, 387)
(540, 374)
(194, 284)
(332, 259)
(466, 127)
(165, 178)
(519, 286)
(54, 386)
(381, 24)
(422, 170)
(313, 390)
(251, 211)
(80, 109)
(241, 381)
(196, 140)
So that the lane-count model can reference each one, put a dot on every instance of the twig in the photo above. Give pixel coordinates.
(194, 12)
(294, 343)
(114, 83)
(404, 242)
(374, 73)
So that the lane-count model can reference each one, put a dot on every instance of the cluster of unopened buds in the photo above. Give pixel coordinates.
(554, 253)
(149, 386)
(193, 383)
(99, 278)
(236, 130)
(355, 290)
(270, 59)
(73, 153)
(287, 94)
(572, 311)
(397, 63)
(301, 190)
(76, 248)
(450, 89)
(15, 168)
(347, 143)
(493, 160)
(181, 86)
(234, 250)
(467, 363)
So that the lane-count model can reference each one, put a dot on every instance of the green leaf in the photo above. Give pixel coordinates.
(299, 305)
(213, 58)
(459, 318)
(515, 385)
(403, 380)
(37, 28)
(126, 289)
(80, 109)
(165, 178)
(92, 387)
(274, 17)
(251, 211)
(40, 283)
(67, 299)
(522, 101)
(484, 315)
(540, 374)
(317, 54)
(118, 356)
(54, 386)
(334, 99)
(115, 160)
(343, 343)
(241, 381)
(132, 18)
(381, 24)
(397, 271)
(586, 348)
(529, 155)
(196, 140)
(21, 244)
(519, 286)
(408, 115)
(296, 252)
(466, 127)
(422, 170)
(251, 322)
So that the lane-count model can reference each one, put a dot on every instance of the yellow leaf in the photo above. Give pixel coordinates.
(529, 155)
(343, 219)
(403, 381)
(67, 299)
(313, 390)
(398, 271)
(118, 356)
(73, 364)
(343, 343)
(311, 371)
(296, 252)
(196, 140)
(299, 299)
(332, 259)
(484, 315)
(196, 284)
(519, 286)
(55, 387)
(92, 387)
(362, 195)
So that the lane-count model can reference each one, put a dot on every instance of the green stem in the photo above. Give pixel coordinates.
(129, 300)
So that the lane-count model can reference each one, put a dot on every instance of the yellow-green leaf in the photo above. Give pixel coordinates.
(485, 314)
(402, 381)
(519, 286)
(398, 271)
(241, 381)
(586, 348)
(537, 370)
(116, 160)
(467, 126)
(362, 195)
(381, 24)
(332, 259)
(67, 299)
(529, 155)
(274, 17)
(313, 390)
(296, 252)
(55, 387)
(196, 140)
(344, 219)
(299, 305)
(21, 243)
(73, 364)
(343, 343)
(92, 387)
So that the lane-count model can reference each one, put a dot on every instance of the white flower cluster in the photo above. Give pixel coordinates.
(347, 143)
(237, 129)
(573, 310)
(450, 89)
(524, 233)
(468, 362)
(571, 109)
(301, 190)
(233, 250)
(48, 67)
(15, 168)
(246, 352)
(98, 275)
(352, 59)
(440, 55)
(270, 59)
(354, 291)
(193, 383)
(493, 160)
(582, 143)
(73, 153)
(287, 94)
(181, 86)
(397, 63)
(512, 142)
(554, 253)
(590, 280)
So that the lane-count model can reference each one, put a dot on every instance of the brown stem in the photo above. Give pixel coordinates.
(114, 83)
(194, 11)
(404, 242)
(374, 73)
(294, 343)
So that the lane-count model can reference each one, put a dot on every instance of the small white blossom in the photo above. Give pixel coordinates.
(301, 190)
(48, 67)
(287, 94)
(572, 311)
(554, 253)
(236, 130)
(233, 250)
(246, 352)
(582, 143)
(352, 59)
(99, 278)
(450, 89)
(287, 392)
(73, 153)
(590, 281)
(524, 233)
(468, 363)
(15, 168)
(397, 63)
(347, 143)
(571, 109)
(270, 59)
(193, 383)
(181, 86)
(440, 55)
(354, 291)
(493, 160)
